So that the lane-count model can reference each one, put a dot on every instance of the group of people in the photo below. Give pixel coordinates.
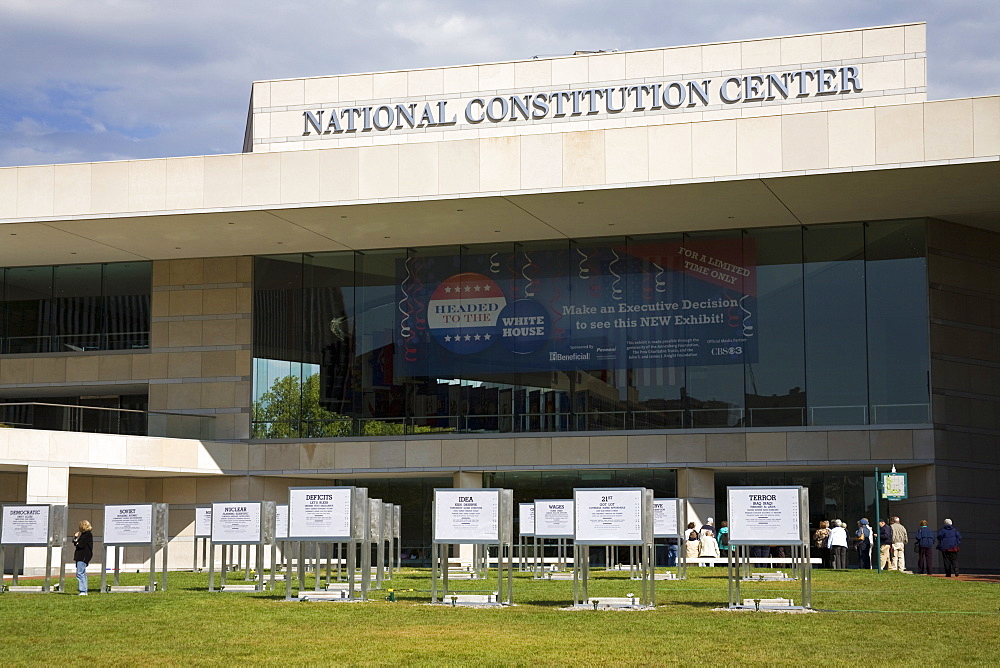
(703, 542)
(831, 543)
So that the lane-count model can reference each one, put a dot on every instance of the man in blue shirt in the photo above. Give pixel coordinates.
(924, 543)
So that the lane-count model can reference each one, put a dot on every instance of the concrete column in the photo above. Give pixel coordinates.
(46, 484)
(469, 480)
(697, 487)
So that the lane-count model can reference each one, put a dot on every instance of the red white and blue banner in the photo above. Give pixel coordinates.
(628, 306)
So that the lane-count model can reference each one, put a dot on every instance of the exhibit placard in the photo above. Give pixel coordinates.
(281, 521)
(665, 518)
(554, 518)
(608, 516)
(526, 518)
(237, 522)
(766, 515)
(467, 515)
(25, 525)
(894, 486)
(319, 513)
(128, 524)
(203, 522)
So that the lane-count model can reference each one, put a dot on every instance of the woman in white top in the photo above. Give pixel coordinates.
(708, 546)
(837, 542)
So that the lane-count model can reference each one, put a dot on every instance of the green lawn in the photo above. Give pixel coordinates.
(931, 621)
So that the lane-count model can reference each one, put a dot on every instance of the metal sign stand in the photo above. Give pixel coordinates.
(739, 562)
(264, 536)
(679, 534)
(441, 547)
(202, 534)
(159, 520)
(643, 557)
(356, 539)
(54, 540)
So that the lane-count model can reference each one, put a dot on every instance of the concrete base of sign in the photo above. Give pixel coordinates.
(558, 576)
(666, 576)
(612, 603)
(26, 589)
(342, 586)
(462, 575)
(327, 597)
(238, 588)
(768, 605)
(130, 589)
(474, 600)
(777, 576)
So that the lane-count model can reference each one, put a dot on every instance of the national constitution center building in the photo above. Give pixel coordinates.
(762, 262)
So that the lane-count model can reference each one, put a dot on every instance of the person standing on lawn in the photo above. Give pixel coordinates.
(863, 543)
(899, 540)
(83, 541)
(885, 544)
(821, 539)
(837, 542)
(949, 538)
(924, 543)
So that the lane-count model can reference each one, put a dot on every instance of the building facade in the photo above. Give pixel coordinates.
(770, 261)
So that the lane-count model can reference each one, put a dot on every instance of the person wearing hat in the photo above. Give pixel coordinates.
(863, 543)
(949, 538)
(924, 542)
(707, 526)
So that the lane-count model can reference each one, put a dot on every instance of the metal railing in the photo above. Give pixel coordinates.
(555, 422)
(80, 343)
(98, 420)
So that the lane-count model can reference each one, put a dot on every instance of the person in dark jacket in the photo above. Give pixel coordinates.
(924, 544)
(885, 544)
(949, 538)
(83, 540)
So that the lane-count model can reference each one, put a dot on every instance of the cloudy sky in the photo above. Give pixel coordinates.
(88, 80)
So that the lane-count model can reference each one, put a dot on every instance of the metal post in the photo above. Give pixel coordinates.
(48, 569)
(434, 572)
(878, 516)
(118, 564)
(211, 569)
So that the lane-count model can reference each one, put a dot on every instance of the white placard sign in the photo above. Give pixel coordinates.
(665, 518)
(764, 515)
(554, 518)
(281, 521)
(608, 517)
(319, 513)
(203, 522)
(25, 525)
(236, 522)
(467, 516)
(526, 517)
(128, 524)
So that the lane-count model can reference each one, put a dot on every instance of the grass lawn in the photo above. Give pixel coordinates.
(930, 621)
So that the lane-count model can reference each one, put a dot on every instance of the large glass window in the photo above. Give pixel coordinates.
(75, 308)
(779, 327)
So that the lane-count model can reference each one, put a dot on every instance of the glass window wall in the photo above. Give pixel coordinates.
(780, 327)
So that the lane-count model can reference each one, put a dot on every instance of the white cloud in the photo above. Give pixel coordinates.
(92, 80)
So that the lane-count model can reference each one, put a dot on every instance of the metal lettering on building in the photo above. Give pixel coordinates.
(585, 102)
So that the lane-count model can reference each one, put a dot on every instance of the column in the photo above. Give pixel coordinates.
(46, 484)
(697, 487)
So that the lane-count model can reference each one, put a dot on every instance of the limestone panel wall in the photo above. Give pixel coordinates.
(667, 450)
(200, 359)
(891, 61)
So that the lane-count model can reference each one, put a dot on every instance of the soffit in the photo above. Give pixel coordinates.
(962, 193)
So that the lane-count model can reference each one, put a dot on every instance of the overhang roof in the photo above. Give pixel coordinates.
(965, 193)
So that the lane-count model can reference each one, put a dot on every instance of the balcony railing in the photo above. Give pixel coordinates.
(92, 419)
(702, 418)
